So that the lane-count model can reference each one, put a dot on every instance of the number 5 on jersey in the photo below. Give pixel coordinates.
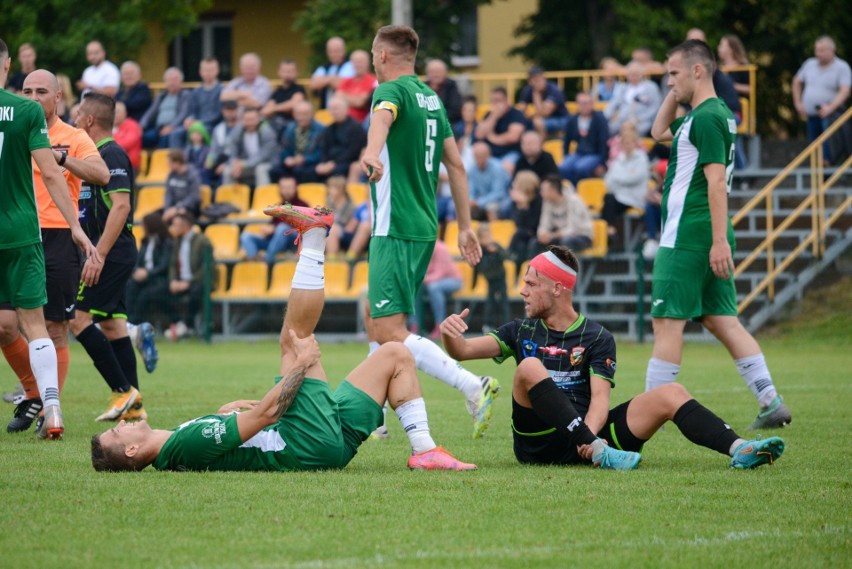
(431, 134)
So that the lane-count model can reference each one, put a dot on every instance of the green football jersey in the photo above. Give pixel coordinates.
(404, 200)
(213, 442)
(22, 130)
(706, 135)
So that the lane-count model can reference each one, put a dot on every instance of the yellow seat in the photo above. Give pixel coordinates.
(481, 110)
(323, 117)
(572, 107)
(555, 148)
(265, 195)
(248, 280)
(337, 280)
(358, 192)
(519, 284)
(648, 143)
(220, 282)
(150, 199)
(225, 238)
(138, 234)
(469, 288)
(451, 237)
(744, 127)
(235, 194)
(313, 194)
(592, 191)
(600, 238)
(511, 277)
(502, 231)
(158, 168)
(282, 279)
(206, 196)
(360, 278)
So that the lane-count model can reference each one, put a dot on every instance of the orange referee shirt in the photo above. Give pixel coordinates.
(77, 143)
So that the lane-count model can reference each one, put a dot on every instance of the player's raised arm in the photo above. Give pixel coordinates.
(468, 242)
(453, 329)
(377, 135)
(665, 117)
(91, 169)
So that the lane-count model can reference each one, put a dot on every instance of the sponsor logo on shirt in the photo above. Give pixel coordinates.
(528, 348)
(215, 431)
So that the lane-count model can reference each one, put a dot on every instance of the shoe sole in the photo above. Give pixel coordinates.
(55, 433)
(289, 214)
(480, 425)
(149, 349)
(122, 411)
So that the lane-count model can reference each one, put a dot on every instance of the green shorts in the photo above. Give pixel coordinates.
(685, 287)
(324, 430)
(397, 268)
(23, 283)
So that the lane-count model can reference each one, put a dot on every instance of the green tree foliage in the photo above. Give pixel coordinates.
(356, 21)
(778, 35)
(60, 29)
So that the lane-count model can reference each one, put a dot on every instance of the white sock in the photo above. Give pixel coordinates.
(660, 372)
(373, 347)
(598, 447)
(309, 273)
(734, 446)
(756, 375)
(314, 239)
(43, 364)
(433, 360)
(412, 415)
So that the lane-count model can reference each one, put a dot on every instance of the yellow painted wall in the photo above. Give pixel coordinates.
(497, 23)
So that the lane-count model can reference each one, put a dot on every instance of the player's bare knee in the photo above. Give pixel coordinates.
(675, 395)
(529, 372)
(8, 328)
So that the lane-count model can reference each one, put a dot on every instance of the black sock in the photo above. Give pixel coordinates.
(555, 408)
(100, 350)
(126, 356)
(702, 427)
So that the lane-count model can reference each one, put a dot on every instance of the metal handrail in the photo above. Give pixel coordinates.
(815, 201)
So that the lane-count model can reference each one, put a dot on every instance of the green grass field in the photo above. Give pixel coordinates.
(682, 508)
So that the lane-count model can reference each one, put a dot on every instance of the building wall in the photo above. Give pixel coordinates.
(497, 23)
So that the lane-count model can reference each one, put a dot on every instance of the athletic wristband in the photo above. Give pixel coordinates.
(64, 157)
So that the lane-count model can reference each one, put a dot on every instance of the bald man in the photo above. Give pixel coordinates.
(101, 76)
(327, 77)
(250, 89)
(446, 88)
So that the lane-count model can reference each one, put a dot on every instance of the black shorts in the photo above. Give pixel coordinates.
(62, 263)
(537, 443)
(107, 299)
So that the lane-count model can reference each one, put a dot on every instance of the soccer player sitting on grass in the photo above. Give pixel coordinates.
(300, 424)
(562, 385)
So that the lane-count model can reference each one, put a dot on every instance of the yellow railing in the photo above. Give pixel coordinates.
(586, 80)
(820, 219)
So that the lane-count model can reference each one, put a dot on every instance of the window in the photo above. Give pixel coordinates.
(466, 46)
(212, 38)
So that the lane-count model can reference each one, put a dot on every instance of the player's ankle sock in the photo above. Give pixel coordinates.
(309, 269)
(100, 350)
(63, 362)
(126, 356)
(428, 357)
(755, 373)
(315, 238)
(373, 347)
(555, 408)
(18, 355)
(412, 415)
(43, 363)
(660, 372)
(702, 427)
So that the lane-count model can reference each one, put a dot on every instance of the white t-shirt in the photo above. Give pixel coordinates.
(106, 74)
(822, 83)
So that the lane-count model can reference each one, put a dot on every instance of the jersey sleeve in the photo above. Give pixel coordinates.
(119, 177)
(37, 129)
(84, 147)
(602, 362)
(709, 134)
(205, 439)
(676, 125)
(387, 97)
(506, 338)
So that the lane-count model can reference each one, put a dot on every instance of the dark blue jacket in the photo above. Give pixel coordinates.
(595, 141)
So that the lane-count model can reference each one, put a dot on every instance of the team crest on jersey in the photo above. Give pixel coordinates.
(577, 355)
(528, 348)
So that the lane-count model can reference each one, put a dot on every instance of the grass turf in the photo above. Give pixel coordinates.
(682, 508)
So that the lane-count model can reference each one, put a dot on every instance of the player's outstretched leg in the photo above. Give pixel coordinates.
(389, 374)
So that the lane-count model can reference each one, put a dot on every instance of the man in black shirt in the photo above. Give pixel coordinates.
(279, 107)
(566, 370)
(106, 214)
(534, 158)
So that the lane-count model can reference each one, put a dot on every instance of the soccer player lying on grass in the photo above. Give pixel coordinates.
(300, 424)
(561, 389)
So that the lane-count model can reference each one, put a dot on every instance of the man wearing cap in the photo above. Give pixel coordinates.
(565, 373)
(543, 102)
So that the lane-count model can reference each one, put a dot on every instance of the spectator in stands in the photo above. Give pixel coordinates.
(650, 66)
(526, 213)
(128, 134)
(251, 151)
(502, 128)
(638, 103)
(167, 113)
(101, 76)
(217, 159)
(626, 179)
(609, 87)
(442, 279)
(358, 89)
(27, 60)
(279, 108)
(327, 77)
(204, 101)
(464, 130)
(732, 53)
(149, 282)
(589, 130)
(544, 102)
(183, 188)
(197, 150)
(191, 251)
(341, 143)
(300, 146)
(67, 102)
(487, 183)
(272, 237)
(722, 84)
(446, 89)
(821, 89)
(340, 202)
(250, 89)
(534, 158)
(565, 219)
(491, 268)
(134, 93)
(360, 227)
